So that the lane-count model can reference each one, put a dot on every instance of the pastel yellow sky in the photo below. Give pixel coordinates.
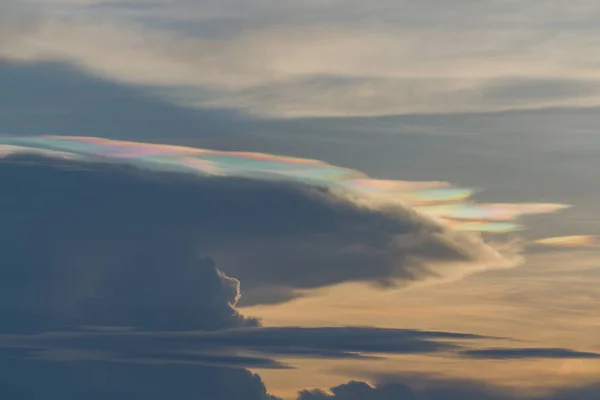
(551, 301)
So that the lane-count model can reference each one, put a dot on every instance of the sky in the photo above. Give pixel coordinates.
(326, 199)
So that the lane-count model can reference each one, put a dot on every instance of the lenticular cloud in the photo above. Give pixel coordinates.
(439, 200)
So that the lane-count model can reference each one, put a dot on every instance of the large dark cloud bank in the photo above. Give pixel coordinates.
(109, 286)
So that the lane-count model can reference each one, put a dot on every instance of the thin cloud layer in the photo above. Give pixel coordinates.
(524, 353)
(324, 58)
(569, 241)
(258, 347)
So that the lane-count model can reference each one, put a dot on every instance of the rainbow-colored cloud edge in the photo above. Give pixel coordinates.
(442, 201)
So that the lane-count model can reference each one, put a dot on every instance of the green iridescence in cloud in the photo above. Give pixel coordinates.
(450, 205)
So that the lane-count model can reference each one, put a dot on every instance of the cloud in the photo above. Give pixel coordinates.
(158, 291)
(117, 248)
(360, 390)
(516, 353)
(568, 241)
(57, 286)
(446, 203)
(53, 283)
(105, 226)
(367, 340)
(52, 350)
(257, 348)
(121, 232)
(121, 247)
(31, 378)
(325, 58)
(239, 346)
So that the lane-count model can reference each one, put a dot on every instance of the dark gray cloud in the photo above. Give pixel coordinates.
(245, 347)
(98, 349)
(52, 280)
(156, 291)
(35, 379)
(515, 353)
(113, 232)
(346, 339)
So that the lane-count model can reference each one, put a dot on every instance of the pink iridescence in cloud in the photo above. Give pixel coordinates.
(449, 204)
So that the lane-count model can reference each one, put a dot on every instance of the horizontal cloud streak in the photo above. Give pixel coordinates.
(238, 347)
(569, 241)
(516, 353)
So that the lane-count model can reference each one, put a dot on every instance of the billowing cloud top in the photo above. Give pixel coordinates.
(440, 200)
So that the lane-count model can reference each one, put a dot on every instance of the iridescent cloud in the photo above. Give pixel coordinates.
(491, 212)
(483, 226)
(569, 241)
(440, 200)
